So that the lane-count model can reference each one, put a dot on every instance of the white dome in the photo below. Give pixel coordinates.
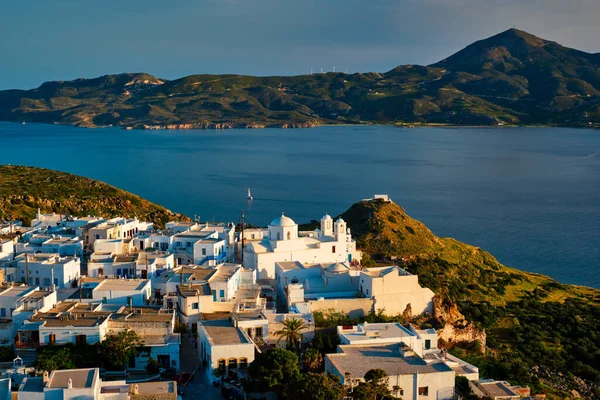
(340, 220)
(336, 268)
(282, 221)
(325, 217)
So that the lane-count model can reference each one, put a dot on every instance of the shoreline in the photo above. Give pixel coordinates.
(291, 125)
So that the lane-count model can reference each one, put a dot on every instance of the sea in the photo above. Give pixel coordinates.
(530, 196)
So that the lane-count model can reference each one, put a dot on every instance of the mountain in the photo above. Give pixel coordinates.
(537, 331)
(25, 189)
(510, 78)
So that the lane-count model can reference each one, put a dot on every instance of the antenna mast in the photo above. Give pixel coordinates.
(242, 237)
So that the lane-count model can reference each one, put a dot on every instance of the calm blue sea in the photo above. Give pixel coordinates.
(531, 196)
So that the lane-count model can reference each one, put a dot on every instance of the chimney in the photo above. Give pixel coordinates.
(45, 378)
(70, 384)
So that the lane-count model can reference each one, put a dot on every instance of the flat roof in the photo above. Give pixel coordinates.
(194, 234)
(154, 391)
(358, 360)
(79, 322)
(383, 330)
(15, 291)
(221, 332)
(33, 384)
(81, 378)
(224, 272)
(122, 284)
(194, 290)
(496, 388)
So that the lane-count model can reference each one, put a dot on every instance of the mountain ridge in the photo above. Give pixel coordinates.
(512, 78)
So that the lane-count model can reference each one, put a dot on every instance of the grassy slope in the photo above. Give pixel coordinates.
(25, 189)
(536, 327)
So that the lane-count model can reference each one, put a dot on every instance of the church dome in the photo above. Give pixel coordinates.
(325, 217)
(336, 268)
(282, 221)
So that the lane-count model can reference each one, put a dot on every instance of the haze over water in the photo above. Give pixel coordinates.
(530, 196)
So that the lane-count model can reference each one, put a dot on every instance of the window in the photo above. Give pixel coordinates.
(119, 271)
(97, 236)
(30, 281)
(427, 344)
(214, 293)
(46, 281)
(333, 249)
(424, 391)
(258, 331)
(188, 244)
(194, 306)
(253, 236)
(52, 338)
(2, 312)
(278, 236)
(243, 362)
(289, 235)
(221, 364)
(11, 311)
(203, 252)
(37, 281)
(249, 332)
(232, 363)
(221, 293)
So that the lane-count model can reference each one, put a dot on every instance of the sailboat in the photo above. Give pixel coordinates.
(250, 198)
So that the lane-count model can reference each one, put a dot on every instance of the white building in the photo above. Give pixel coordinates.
(223, 347)
(351, 288)
(226, 288)
(7, 250)
(409, 376)
(86, 384)
(332, 243)
(423, 342)
(17, 304)
(136, 292)
(45, 270)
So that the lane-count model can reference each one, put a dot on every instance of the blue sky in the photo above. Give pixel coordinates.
(65, 39)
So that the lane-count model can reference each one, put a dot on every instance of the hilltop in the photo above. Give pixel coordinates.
(510, 78)
(25, 189)
(539, 332)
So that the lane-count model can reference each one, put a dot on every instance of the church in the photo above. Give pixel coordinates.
(330, 244)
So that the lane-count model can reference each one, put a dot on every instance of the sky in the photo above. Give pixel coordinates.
(45, 40)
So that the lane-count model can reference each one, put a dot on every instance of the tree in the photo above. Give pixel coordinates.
(50, 358)
(119, 349)
(7, 353)
(312, 359)
(375, 386)
(153, 366)
(292, 332)
(273, 369)
(312, 386)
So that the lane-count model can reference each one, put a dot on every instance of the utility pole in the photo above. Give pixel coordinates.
(26, 268)
(242, 237)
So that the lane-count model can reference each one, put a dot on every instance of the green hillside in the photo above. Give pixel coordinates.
(539, 332)
(25, 189)
(510, 78)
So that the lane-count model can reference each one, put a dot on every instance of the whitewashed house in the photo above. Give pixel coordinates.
(223, 347)
(47, 270)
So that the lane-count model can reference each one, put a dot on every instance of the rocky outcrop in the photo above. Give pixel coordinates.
(456, 328)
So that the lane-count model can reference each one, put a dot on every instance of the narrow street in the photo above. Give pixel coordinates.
(199, 386)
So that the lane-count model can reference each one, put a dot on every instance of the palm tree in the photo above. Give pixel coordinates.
(292, 332)
(312, 359)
